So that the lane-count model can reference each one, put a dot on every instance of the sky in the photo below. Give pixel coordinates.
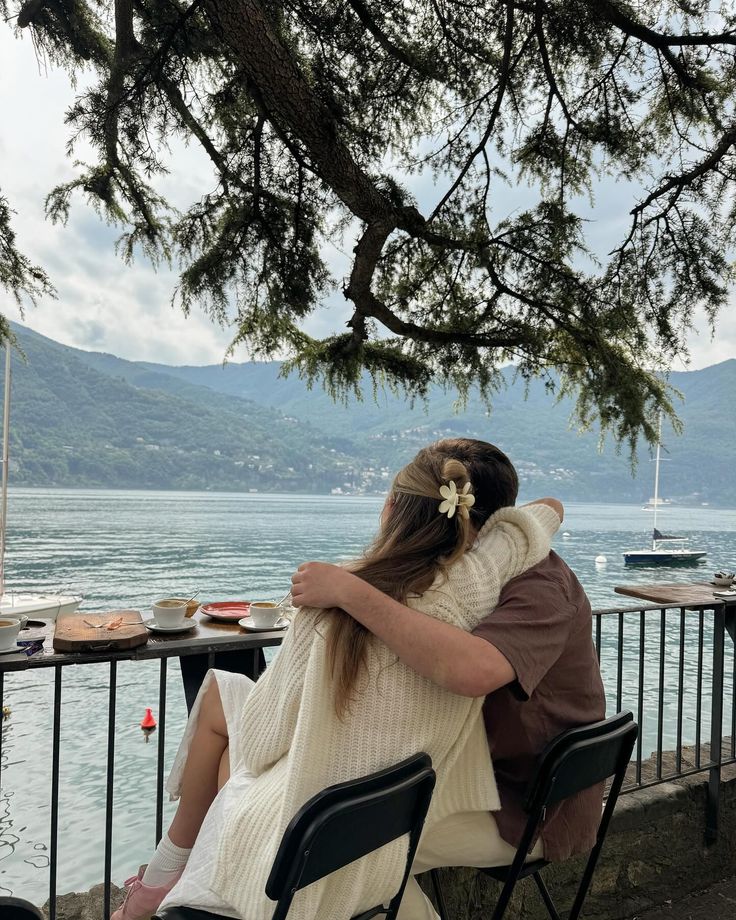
(105, 305)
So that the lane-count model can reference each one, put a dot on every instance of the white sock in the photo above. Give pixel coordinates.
(167, 861)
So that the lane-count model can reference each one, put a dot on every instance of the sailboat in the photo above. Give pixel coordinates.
(22, 603)
(656, 555)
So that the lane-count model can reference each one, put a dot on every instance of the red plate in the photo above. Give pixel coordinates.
(226, 611)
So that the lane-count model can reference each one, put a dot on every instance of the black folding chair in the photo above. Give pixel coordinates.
(339, 825)
(574, 761)
(18, 909)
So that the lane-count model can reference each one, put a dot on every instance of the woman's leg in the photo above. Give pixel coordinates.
(223, 774)
(199, 784)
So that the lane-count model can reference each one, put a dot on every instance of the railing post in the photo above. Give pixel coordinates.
(55, 767)
(112, 699)
(161, 751)
(716, 726)
(731, 621)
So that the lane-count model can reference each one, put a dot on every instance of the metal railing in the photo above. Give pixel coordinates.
(668, 664)
(110, 768)
(195, 661)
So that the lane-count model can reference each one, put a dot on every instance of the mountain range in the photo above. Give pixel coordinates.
(89, 419)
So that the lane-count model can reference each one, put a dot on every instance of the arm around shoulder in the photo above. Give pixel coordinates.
(441, 652)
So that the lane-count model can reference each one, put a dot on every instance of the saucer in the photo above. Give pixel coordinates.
(725, 592)
(149, 624)
(13, 648)
(281, 623)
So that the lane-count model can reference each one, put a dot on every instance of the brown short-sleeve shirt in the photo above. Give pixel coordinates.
(543, 626)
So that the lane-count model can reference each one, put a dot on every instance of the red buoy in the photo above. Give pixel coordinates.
(148, 724)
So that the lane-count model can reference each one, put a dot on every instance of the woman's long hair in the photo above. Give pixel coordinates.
(415, 544)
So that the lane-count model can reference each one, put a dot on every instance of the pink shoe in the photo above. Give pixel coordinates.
(142, 900)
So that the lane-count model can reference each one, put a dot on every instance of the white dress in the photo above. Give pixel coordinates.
(286, 742)
(194, 887)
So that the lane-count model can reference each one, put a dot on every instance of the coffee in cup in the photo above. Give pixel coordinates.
(9, 629)
(169, 613)
(265, 613)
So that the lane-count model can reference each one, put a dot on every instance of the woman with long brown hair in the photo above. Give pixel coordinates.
(336, 703)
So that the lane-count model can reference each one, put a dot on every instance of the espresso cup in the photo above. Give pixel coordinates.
(723, 580)
(169, 613)
(9, 629)
(21, 617)
(265, 613)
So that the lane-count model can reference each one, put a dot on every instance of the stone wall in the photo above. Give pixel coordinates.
(85, 905)
(655, 852)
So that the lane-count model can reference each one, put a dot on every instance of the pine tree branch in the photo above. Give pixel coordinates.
(616, 14)
(546, 63)
(663, 43)
(290, 101)
(404, 55)
(681, 182)
(503, 81)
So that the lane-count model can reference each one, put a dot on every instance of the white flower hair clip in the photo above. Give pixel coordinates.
(456, 501)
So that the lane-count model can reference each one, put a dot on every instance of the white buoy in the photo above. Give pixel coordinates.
(565, 534)
(600, 560)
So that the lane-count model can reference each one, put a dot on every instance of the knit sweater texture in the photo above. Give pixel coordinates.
(294, 744)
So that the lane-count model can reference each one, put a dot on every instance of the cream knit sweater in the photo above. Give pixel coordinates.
(295, 745)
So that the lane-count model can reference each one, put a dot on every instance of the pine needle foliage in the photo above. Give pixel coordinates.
(316, 116)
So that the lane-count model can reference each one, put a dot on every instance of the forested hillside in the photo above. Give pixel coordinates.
(73, 425)
(86, 418)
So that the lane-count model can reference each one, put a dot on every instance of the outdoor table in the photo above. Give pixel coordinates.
(210, 644)
(683, 595)
(695, 594)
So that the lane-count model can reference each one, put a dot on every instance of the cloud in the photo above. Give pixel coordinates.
(104, 304)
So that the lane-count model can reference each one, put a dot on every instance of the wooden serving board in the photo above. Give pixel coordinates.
(72, 634)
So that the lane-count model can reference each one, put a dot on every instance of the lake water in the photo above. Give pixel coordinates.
(127, 548)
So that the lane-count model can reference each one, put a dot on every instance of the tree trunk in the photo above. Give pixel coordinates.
(292, 105)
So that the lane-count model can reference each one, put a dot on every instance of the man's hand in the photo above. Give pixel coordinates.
(553, 503)
(319, 584)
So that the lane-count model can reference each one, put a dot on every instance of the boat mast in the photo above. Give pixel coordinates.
(5, 461)
(656, 480)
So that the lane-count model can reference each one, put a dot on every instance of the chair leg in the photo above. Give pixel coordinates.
(503, 899)
(439, 894)
(548, 902)
(585, 881)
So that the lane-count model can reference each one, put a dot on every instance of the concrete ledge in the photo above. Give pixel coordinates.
(655, 852)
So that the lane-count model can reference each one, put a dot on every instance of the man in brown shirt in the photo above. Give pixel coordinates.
(532, 658)
(542, 626)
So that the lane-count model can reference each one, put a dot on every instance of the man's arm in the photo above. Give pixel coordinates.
(448, 656)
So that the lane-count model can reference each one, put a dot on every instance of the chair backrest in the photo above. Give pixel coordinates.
(580, 758)
(349, 820)
(18, 909)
